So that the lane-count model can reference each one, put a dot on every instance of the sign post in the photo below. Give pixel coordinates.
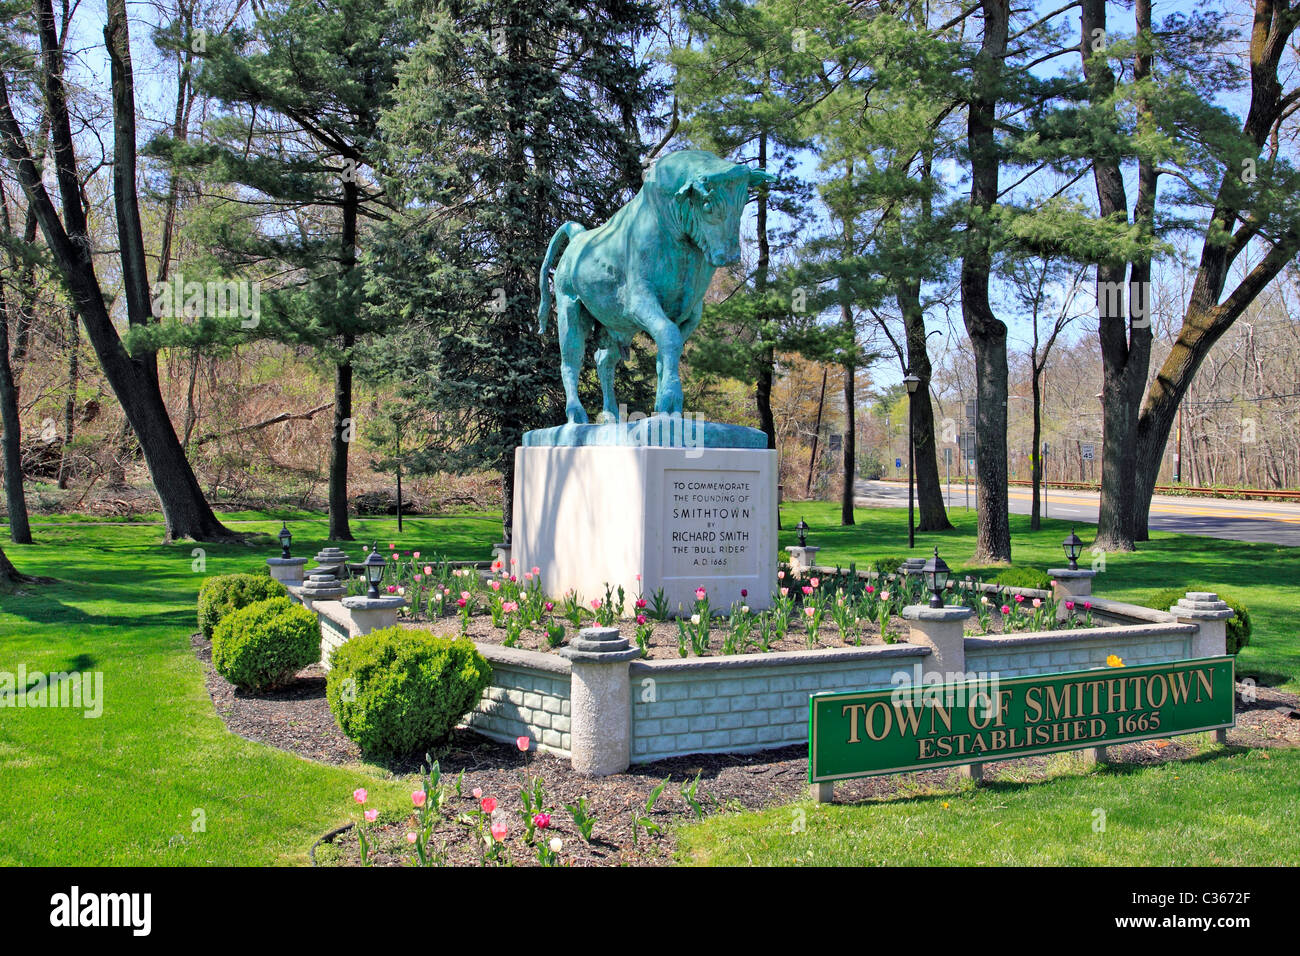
(926, 726)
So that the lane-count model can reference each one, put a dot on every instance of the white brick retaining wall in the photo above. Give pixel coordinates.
(528, 697)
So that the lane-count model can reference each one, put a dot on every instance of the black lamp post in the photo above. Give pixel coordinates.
(286, 539)
(374, 565)
(1073, 548)
(936, 575)
(911, 381)
(802, 528)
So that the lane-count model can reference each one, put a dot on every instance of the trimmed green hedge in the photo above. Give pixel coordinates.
(397, 691)
(262, 646)
(1023, 578)
(219, 596)
(1238, 626)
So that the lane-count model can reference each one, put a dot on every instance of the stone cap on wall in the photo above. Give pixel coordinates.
(1004, 642)
(1201, 606)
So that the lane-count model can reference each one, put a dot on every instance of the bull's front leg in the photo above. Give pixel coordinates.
(668, 339)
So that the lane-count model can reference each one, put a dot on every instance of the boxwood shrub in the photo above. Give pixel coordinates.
(397, 691)
(262, 646)
(225, 593)
(1239, 626)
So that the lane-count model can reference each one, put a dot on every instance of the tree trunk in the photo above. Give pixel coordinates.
(343, 431)
(767, 358)
(1036, 449)
(8, 573)
(15, 500)
(987, 333)
(929, 489)
(70, 399)
(186, 512)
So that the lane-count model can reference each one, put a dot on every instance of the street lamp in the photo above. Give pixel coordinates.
(1073, 548)
(911, 381)
(936, 575)
(286, 539)
(802, 528)
(374, 565)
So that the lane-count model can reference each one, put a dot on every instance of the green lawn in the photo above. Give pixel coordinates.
(123, 788)
(1222, 807)
(1264, 577)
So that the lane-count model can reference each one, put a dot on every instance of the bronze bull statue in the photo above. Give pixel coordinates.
(646, 270)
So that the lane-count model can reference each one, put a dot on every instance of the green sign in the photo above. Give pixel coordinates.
(919, 727)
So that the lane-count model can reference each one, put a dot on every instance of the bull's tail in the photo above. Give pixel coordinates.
(553, 252)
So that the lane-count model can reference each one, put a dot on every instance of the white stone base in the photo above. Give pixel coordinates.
(590, 515)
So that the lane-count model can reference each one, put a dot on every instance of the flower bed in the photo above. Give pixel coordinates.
(822, 611)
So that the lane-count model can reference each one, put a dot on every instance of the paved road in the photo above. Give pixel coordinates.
(1269, 522)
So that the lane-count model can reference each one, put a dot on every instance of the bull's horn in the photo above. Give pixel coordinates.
(759, 176)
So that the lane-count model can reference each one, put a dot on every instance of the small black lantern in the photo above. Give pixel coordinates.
(374, 565)
(1073, 548)
(286, 539)
(936, 573)
(912, 382)
(802, 528)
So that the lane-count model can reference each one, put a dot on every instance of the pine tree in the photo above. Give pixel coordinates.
(304, 86)
(510, 120)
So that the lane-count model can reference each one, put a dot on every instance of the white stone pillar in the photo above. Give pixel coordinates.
(942, 630)
(600, 701)
(286, 570)
(802, 559)
(1210, 615)
(370, 614)
(1070, 584)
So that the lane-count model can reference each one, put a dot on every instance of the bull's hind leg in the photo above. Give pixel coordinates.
(572, 325)
(607, 357)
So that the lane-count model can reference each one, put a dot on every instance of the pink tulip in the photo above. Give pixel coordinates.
(499, 831)
(1038, 602)
(522, 743)
(428, 569)
(541, 820)
(465, 595)
(461, 602)
(372, 816)
(1020, 599)
(807, 590)
(392, 589)
(416, 555)
(359, 795)
(809, 611)
(785, 592)
(780, 575)
(419, 577)
(1005, 609)
(477, 792)
(488, 804)
(411, 838)
(528, 575)
(1069, 605)
(419, 797)
(537, 570)
(496, 585)
(640, 618)
(595, 604)
(549, 606)
(391, 546)
(1087, 605)
(699, 594)
(642, 602)
(871, 589)
(638, 577)
(814, 581)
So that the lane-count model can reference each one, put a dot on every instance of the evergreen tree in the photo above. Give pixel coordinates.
(510, 120)
(303, 88)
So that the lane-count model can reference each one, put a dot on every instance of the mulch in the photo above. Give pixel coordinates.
(297, 719)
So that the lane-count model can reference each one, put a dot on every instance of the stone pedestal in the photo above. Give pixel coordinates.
(802, 559)
(286, 570)
(1210, 615)
(331, 560)
(370, 614)
(1070, 584)
(940, 629)
(647, 518)
(501, 556)
(912, 566)
(320, 586)
(600, 703)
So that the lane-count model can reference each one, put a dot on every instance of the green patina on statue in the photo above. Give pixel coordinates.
(646, 270)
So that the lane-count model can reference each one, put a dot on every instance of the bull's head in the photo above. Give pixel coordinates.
(712, 206)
